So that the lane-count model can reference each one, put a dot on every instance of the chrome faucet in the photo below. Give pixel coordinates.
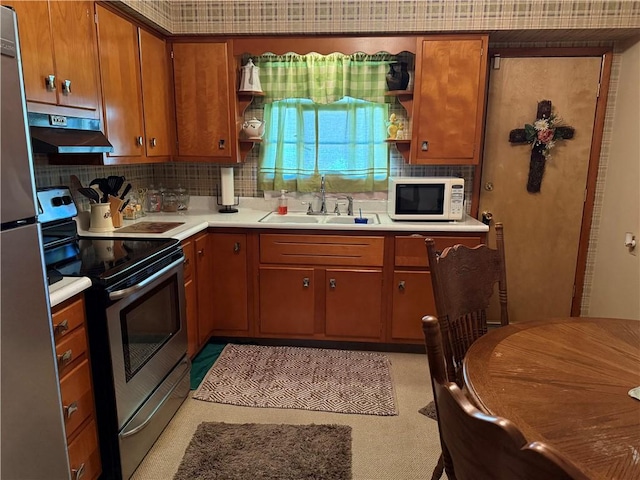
(323, 204)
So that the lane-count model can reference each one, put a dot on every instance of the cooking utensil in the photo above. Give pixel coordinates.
(125, 191)
(114, 183)
(90, 193)
(124, 205)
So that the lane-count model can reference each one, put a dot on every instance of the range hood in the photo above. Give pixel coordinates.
(62, 134)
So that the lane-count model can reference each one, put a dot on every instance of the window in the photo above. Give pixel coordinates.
(324, 115)
(344, 140)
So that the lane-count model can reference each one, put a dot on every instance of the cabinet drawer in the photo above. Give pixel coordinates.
(84, 456)
(411, 251)
(67, 316)
(322, 250)
(69, 349)
(77, 400)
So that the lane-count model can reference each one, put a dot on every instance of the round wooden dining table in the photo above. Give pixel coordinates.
(565, 382)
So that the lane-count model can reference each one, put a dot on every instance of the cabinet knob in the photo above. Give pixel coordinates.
(236, 247)
(153, 142)
(70, 409)
(221, 144)
(66, 87)
(61, 327)
(401, 285)
(65, 358)
(78, 473)
(306, 282)
(139, 141)
(332, 283)
(424, 146)
(50, 83)
(201, 252)
(185, 262)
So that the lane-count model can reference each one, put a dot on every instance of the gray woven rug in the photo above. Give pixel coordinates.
(224, 451)
(303, 378)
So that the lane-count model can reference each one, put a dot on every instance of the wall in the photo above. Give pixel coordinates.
(615, 289)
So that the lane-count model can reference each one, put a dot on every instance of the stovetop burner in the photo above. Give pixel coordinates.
(106, 261)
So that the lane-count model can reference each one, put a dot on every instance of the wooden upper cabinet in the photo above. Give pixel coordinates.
(156, 94)
(449, 99)
(202, 99)
(59, 56)
(121, 84)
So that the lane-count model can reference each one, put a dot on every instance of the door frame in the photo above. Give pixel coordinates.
(606, 53)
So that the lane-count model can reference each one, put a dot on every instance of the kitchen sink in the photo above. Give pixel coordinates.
(348, 220)
(289, 218)
(316, 219)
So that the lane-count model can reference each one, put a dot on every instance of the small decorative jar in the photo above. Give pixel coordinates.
(253, 129)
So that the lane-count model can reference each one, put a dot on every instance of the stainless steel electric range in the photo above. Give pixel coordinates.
(136, 321)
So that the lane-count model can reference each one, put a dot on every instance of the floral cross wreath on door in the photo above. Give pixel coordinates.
(542, 135)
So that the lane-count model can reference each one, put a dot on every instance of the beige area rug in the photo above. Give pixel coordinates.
(250, 451)
(302, 378)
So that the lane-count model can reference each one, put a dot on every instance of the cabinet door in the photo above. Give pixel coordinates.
(412, 300)
(287, 301)
(120, 72)
(450, 102)
(74, 41)
(36, 47)
(156, 88)
(203, 286)
(353, 303)
(229, 282)
(202, 100)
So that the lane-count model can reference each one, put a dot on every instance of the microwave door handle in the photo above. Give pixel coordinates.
(118, 294)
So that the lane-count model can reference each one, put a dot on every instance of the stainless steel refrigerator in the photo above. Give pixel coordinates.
(32, 435)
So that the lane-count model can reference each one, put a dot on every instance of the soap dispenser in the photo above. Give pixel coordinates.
(282, 203)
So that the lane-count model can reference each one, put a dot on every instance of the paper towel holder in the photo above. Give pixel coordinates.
(226, 208)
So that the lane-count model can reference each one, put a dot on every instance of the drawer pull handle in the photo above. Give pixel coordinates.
(236, 247)
(332, 283)
(306, 282)
(66, 87)
(153, 142)
(65, 358)
(50, 83)
(62, 327)
(78, 473)
(71, 409)
(401, 286)
(139, 141)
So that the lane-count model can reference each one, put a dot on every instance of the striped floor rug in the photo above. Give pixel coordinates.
(302, 378)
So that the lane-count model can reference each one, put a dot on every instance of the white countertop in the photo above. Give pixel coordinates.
(203, 213)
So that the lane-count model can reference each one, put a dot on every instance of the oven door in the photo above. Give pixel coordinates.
(147, 336)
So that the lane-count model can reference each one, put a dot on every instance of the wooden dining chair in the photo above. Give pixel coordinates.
(464, 280)
(477, 446)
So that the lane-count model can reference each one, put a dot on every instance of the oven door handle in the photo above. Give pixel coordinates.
(125, 292)
(144, 424)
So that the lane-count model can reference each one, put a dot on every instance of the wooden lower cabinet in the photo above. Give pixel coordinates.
(412, 296)
(228, 288)
(353, 306)
(287, 300)
(412, 300)
(76, 388)
(321, 287)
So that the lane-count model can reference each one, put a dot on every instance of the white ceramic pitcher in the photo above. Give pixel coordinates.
(249, 79)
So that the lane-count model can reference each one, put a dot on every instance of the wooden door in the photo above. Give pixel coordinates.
(228, 288)
(412, 300)
(287, 300)
(204, 277)
(542, 230)
(450, 100)
(353, 303)
(121, 91)
(36, 45)
(156, 88)
(202, 100)
(74, 41)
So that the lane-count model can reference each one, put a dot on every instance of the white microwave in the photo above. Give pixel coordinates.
(426, 198)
